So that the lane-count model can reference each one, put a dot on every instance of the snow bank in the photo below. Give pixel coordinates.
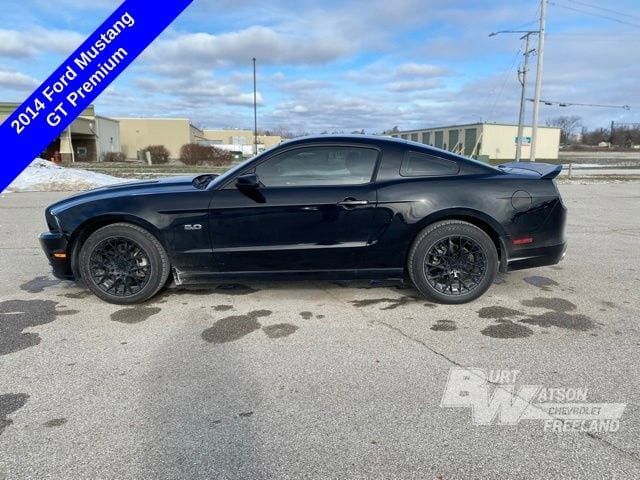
(44, 176)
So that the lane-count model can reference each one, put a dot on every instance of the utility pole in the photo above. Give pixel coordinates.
(611, 135)
(536, 101)
(523, 81)
(255, 111)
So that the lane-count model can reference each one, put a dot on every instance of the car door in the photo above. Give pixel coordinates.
(308, 208)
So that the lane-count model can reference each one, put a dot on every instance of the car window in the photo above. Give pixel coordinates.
(421, 164)
(313, 166)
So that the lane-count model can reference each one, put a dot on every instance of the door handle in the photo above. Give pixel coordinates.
(351, 202)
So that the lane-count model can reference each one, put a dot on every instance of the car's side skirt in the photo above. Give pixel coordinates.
(192, 278)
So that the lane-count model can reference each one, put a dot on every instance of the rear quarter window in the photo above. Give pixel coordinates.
(416, 164)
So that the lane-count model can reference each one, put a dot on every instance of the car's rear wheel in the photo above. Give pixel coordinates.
(452, 262)
(123, 263)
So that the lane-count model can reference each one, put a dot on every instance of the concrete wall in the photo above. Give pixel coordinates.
(499, 142)
(107, 136)
(240, 137)
(138, 133)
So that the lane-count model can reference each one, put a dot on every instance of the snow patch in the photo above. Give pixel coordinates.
(44, 176)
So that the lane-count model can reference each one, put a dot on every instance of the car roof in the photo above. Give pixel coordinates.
(379, 140)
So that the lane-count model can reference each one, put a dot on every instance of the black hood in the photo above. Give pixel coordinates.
(160, 185)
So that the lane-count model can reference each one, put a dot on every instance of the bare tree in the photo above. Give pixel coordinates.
(567, 125)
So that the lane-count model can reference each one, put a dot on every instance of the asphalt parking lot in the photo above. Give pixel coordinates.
(316, 379)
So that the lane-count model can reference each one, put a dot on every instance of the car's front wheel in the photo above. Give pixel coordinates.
(123, 263)
(452, 262)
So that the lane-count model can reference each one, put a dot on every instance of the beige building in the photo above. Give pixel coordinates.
(495, 141)
(240, 140)
(138, 133)
(87, 139)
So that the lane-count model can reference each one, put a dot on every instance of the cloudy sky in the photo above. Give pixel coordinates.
(343, 65)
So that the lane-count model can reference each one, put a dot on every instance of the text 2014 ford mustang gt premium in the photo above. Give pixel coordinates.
(330, 207)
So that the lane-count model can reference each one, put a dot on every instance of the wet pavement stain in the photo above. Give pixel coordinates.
(609, 304)
(10, 403)
(555, 304)
(497, 312)
(562, 320)
(55, 422)
(16, 315)
(38, 284)
(557, 315)
(507, 329)
(393, 302)
(319, 317)
(279, 330)
(222, 308)
(306, 315)
(444, 326)
(245, 414)
(235, 289)
(543, 283)
(230, 329)
(134, 314)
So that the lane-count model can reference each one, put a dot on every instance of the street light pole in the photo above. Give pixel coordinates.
(536, 102)
(525, 69)
(255, 111)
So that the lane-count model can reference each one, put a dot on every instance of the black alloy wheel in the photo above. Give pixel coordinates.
(120, 267)
(123, 263)
(452, 261)
(455, 265)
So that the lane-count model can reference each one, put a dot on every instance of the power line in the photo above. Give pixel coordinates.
(613, 19)
(572, 104)
(504, 82)
(598, 7)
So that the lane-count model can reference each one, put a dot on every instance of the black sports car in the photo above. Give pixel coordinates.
(329, 207)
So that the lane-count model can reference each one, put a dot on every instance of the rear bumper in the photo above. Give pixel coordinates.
(56, 243)
(537, 257)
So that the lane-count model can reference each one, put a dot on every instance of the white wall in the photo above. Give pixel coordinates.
(107, 136)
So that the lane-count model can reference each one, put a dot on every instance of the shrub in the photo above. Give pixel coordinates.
(159, 153)
(196, 154)
(113, 157)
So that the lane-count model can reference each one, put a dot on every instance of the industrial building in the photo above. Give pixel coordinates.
(240, 140)
(487, 141)
(87, 139)
(138, 133)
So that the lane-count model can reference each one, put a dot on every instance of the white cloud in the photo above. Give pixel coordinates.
(27, 43)
(269, 46)
(17, 81)
(421, 70)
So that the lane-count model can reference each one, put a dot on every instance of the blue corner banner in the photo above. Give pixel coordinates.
(80, 79)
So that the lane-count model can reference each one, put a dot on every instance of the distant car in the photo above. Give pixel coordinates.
(326, 207)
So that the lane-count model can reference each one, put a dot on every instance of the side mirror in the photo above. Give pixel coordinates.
(248, 181)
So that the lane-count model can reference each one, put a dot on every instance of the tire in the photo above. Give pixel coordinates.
(452, 262)
(123, 264)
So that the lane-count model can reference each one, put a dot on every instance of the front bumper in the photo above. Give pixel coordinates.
(55, 245)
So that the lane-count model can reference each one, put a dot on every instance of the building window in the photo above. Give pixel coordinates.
(426, 138)
(403, 136)
(414, 137)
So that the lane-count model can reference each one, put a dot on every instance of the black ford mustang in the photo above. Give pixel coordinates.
(330, 207)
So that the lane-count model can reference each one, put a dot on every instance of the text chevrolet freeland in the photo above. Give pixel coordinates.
(326, 207)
